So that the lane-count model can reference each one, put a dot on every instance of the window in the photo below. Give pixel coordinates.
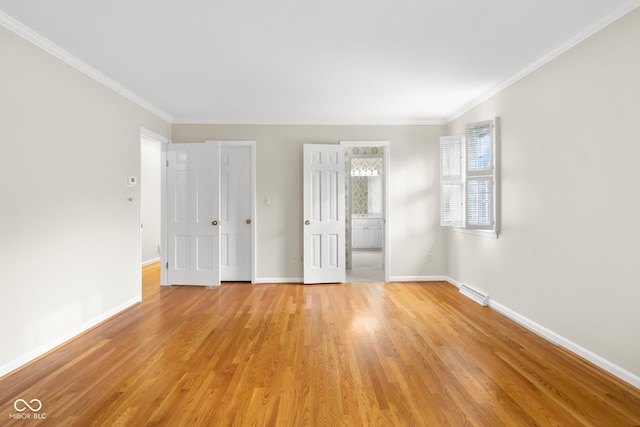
(468, 178)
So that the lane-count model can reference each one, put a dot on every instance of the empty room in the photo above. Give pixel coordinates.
(291, 213)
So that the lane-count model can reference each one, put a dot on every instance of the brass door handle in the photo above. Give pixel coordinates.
(248, 221)
(214, 222)
(307, 222)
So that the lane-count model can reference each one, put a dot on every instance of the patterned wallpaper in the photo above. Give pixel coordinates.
(359, 194)
(364, 163)
(364, 150)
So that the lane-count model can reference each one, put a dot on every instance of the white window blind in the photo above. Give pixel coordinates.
(479, 148)
(479, 203)
(451, 202)
(480, 177)
(451, 205)
(468, 178)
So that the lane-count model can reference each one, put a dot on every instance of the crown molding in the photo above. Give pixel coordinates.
(573, 41)
(55, 50)
(28, 34)
(210, 121)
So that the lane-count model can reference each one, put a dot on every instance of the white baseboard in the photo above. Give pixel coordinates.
(391, 279)
(279, 280)
(151, 261)
(559, 340)
(454, 282)
(419, 279)
(34, 354)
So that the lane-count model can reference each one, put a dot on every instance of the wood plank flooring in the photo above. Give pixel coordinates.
(394, 354)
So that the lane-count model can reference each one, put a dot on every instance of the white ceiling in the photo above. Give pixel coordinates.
(308, 62)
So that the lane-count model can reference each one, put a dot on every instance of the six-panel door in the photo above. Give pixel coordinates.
(193, 214)
(324, 213)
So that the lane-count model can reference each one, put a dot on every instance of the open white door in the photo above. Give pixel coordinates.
(324, 213)
(193, 240)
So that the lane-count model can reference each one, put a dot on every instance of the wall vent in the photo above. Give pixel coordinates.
(475, 295)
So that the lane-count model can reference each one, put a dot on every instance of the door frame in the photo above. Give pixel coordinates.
(386, 245)
(254, 225)
(164, 142)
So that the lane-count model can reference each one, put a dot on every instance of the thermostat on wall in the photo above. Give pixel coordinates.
(131, 180)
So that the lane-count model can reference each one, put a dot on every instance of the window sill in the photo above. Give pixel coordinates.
(482, 233)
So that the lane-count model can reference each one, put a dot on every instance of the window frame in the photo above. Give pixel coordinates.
(471, 175)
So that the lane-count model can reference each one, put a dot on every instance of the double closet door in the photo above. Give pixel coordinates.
(210, 213)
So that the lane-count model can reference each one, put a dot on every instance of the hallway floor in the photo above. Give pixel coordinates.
(366, 267)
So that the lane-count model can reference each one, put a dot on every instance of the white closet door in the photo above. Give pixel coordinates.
(236, 218)
(192, 214)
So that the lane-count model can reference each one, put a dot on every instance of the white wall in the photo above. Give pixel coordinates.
(414, 191)
(567, 257)
(150, 198)
(69, 237)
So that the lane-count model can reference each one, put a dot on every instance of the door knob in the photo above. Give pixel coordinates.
(248, 221)
(307, 222)
(214, 222)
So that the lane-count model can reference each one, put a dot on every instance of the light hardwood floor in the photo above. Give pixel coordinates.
(391, 354)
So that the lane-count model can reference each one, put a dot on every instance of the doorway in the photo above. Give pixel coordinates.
(152, 152)
(367, 216)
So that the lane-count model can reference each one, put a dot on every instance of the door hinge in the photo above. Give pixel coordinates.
(167, 266)
(167, 163)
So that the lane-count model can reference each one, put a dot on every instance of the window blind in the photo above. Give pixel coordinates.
(451, 191)
(479, 175)
(479, 148)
